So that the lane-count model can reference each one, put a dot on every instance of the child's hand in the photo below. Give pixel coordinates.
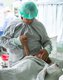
(24, 40)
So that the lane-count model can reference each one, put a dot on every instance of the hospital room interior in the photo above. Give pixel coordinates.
(50, 14)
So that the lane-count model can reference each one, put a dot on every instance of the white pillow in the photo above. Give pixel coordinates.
(52, 68)
(61, 77)
(60, 46)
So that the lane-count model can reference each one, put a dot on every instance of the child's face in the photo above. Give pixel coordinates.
(27, 21)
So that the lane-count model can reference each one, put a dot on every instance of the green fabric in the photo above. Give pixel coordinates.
(28, 10)
(54, 76)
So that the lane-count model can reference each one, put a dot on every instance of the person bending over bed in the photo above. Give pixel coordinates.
(38, 41)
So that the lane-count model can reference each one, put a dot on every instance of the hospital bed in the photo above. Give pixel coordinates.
(29, 68)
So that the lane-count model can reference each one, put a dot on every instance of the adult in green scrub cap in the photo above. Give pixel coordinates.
(26, 36)
(28, 10)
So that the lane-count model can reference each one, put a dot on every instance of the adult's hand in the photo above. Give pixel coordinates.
(43, 54)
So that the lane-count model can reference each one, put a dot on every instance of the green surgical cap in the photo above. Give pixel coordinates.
(28, 10)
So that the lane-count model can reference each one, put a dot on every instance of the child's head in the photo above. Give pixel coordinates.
(28, 11)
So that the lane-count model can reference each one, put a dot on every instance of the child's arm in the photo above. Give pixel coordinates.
(24, 41)
(26, 50)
